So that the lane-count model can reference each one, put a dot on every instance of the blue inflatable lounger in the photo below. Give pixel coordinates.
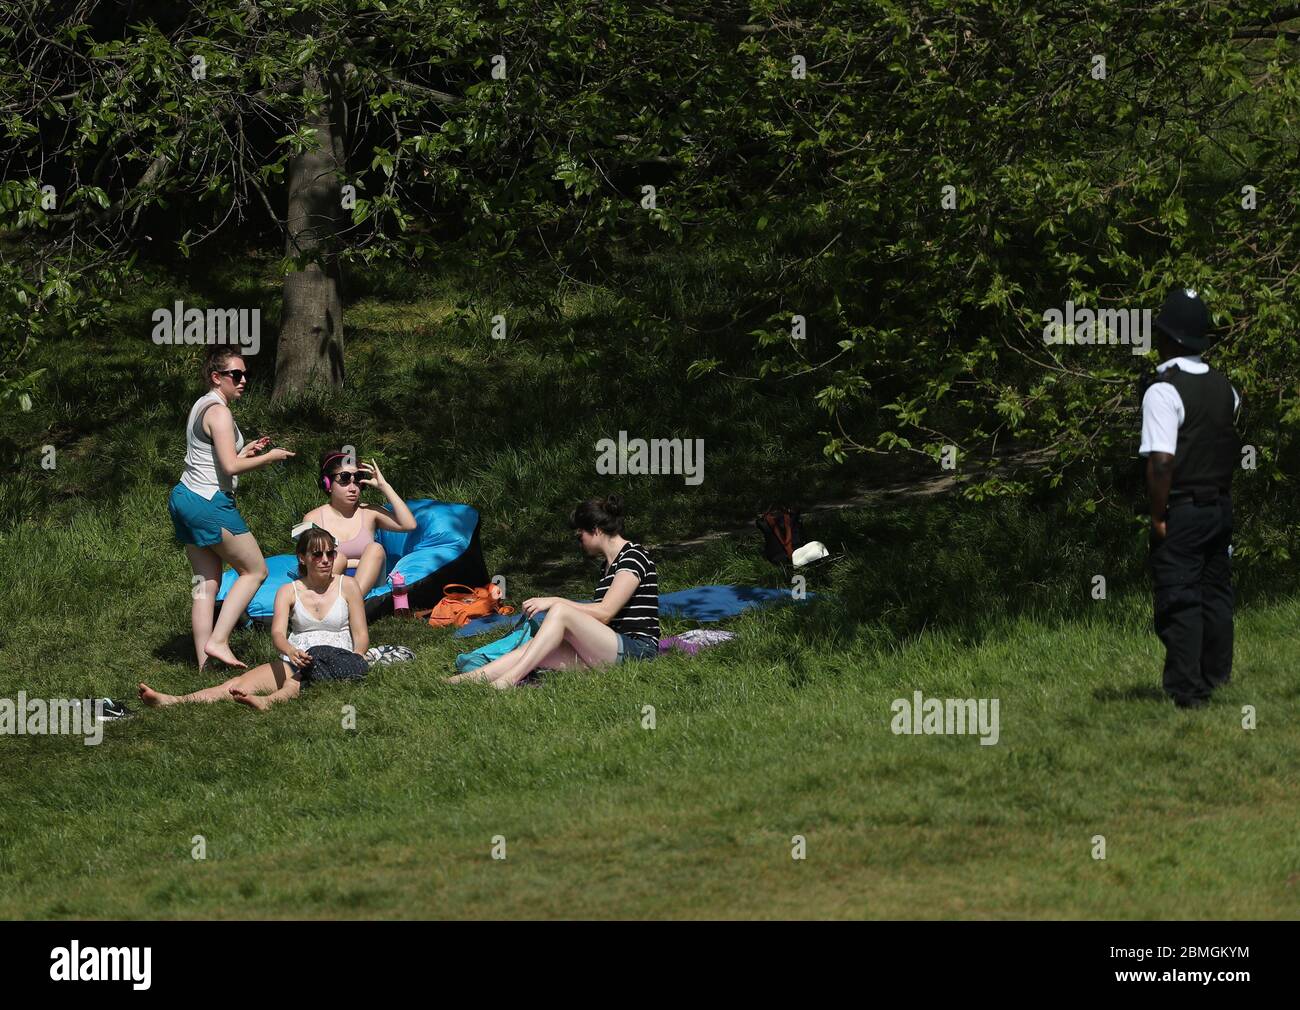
(443, 548)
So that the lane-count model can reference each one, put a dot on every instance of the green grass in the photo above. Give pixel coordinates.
(784, 732)
(780, 733)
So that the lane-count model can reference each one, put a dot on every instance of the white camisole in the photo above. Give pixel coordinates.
(333, 629)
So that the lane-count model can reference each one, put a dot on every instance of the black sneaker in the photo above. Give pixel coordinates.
(1191, 702)
(110, 709)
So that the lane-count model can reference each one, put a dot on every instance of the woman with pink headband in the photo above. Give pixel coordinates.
(353, 523)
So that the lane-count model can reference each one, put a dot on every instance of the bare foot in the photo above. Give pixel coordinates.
(153, 699)
(251, 700)
(475, 677)
(469, 677)
(221, 651)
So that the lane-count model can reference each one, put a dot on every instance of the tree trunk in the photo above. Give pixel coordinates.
(311, 331)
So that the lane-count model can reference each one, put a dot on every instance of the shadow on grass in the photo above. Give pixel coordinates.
(177, 649)
(1135, 692)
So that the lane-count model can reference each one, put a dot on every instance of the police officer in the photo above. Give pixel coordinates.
(1192, 450)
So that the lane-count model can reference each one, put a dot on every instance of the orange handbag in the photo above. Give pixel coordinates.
(461, 604)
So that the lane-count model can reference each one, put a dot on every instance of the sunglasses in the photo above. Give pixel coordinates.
(344, 477)
(237, 375)
(332, 553)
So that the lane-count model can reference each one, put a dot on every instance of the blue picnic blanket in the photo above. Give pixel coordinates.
(717, 603)
(700, 603)
(482, 625)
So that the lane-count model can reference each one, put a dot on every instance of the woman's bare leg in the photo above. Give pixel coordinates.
(206, 565)
(240, 552)
(593, 643)
(488, 671)
(589, 642)
(369, 566)
(562, 657)
(286, 688)
(260, 678)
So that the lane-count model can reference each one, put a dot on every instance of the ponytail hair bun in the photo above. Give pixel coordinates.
(217, 359)
(604, 514)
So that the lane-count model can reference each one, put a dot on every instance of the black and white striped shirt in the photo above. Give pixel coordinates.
(640, 615)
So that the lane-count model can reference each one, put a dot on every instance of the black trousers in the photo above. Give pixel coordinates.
(1192, 576)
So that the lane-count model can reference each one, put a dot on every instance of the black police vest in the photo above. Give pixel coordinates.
(1208, 450)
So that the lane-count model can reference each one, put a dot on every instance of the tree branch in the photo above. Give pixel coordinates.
(1253, 33)
(153, 177)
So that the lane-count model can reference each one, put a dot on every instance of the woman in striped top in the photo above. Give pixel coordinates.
(621, 622)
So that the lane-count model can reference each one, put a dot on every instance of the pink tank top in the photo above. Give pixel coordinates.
(355, 547)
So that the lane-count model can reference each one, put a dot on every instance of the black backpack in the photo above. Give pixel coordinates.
(782, 531)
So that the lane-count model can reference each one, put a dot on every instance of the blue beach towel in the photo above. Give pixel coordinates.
(484, 654)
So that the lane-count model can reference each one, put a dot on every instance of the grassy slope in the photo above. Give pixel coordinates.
(784, 732)
(693, 818)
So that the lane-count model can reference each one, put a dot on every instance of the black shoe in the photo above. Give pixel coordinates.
(112, 709)
(1191, 702)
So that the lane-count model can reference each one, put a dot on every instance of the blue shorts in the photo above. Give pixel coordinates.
(635, 647)
(198, 521)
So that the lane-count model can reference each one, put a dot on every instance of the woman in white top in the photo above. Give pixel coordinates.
(202, 506)
(319, 609)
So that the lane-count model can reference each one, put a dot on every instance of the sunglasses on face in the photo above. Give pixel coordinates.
(332, 553)
(344, 477)
(237, 375)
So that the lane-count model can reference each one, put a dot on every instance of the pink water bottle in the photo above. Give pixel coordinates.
(401, 605)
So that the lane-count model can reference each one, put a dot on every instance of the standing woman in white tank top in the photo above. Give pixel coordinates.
(202, 505)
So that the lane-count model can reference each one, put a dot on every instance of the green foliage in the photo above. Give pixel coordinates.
(924, 321)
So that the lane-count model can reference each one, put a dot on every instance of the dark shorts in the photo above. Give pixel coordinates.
(199, 521)
(329, 662)
(635, 647)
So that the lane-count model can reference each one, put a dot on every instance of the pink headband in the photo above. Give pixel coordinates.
(330, 459)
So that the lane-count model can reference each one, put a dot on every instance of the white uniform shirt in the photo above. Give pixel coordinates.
(1162, 407)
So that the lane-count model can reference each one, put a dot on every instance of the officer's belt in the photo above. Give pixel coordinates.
(1199, 495)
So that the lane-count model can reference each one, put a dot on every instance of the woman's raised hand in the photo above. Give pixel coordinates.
(255, 446)
(376, 478)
